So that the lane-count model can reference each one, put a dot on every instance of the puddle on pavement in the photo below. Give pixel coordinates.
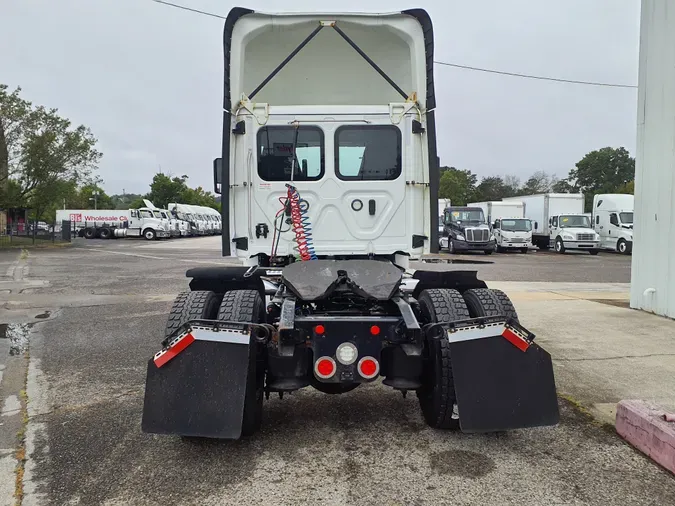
(44, 315)
(454, 261)
(17, 333)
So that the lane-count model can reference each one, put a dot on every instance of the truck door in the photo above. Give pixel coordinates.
(351, 177)
(613, 232)
(553, 226)
(497, 231)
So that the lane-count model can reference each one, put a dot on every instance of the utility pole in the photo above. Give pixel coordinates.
(95, 199)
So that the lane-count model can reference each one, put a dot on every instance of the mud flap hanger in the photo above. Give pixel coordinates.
(481, 328)
(333, 24)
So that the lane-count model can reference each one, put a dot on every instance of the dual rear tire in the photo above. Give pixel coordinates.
(234, 306)
(437, 397)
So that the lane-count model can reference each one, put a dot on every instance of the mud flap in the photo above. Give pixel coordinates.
(200, 392)
(500, 387)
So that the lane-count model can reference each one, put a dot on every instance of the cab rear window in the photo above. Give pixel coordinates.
(276, 158)
(368, 152)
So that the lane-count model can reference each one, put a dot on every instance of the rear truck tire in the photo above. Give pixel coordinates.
(489, 251)
(89, 233)
(248, 306)
(500, 249)
(437, 395)
(149, 234)
(524, 250)
(559, 246)
(622, 247)
(594, 251)
(489, 302)
(105, 233)
(198, 305)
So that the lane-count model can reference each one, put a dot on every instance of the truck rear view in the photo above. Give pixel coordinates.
(329, 177)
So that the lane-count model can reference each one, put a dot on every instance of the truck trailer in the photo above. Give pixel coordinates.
(559, 221)
(325, 297)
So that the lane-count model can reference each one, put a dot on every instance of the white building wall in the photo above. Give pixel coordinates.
(653, 269)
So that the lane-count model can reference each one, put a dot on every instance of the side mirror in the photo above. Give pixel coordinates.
(217, 175)
(304, 166)
(536, 225)
(494, 225)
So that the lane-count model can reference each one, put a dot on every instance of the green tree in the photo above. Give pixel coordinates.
(86, 198)
(457, 185)
(165, 189)
(539, 182)
(496, 188)
(606, 170)
(124, 201)
(45, 157)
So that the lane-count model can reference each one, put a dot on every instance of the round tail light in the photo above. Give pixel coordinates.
(368, 367)
(324, 368)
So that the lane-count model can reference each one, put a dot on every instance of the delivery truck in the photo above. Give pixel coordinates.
(558, 221)
(511, 230)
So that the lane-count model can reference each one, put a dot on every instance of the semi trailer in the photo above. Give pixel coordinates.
(511, 230)
(559, 221)
(329, 181)
(110, 224)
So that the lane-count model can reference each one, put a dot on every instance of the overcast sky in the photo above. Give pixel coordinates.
(147, 78)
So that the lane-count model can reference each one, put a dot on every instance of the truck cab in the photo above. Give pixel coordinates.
(144, 223)
(573, 231)
(465, 229)
(512, 233)
(613, 221)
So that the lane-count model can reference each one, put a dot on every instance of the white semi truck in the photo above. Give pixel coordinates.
(613, 221)
(329, 179)
(559, 221)
(511, 230)
(108, 224)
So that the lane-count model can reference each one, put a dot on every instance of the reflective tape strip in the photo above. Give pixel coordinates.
(222, 335)
(179, 344)
(471, 333)
(176, 346)
(491, 330)
(516, 340)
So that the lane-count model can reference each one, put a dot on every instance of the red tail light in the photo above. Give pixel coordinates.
(324, 368)
(369, 367)
(320, 329)
(375, 330)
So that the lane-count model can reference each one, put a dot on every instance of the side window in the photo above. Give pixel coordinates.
(145, 214)
(497, 224)
(134, 213)
(554, 222)
(275, 153)
(368, 152)
(614, 219)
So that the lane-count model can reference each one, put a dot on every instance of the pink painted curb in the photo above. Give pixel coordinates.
(644, 427)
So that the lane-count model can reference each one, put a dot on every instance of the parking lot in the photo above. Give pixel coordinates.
(97, 313)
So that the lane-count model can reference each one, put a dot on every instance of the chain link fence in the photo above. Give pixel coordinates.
(35, 232)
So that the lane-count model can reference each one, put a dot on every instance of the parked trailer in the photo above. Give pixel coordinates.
(109, 224)
(559, 221)
(512, 231)
(613, 221)
(324, 298)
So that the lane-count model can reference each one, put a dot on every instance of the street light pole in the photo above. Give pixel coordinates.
(95, 199)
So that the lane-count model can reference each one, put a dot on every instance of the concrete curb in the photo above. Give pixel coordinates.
(644, 427)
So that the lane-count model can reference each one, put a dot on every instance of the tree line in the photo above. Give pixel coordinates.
(47, 163)
(607, 170)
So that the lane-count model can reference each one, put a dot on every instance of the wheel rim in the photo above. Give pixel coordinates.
(622, 247)
(558, 246)
(148, 235)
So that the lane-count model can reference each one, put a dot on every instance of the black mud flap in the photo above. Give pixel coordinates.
(499, 387)
(200, 392)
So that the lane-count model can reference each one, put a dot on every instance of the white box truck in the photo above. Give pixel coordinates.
(558, 220)
(613, 221)
(512, 231)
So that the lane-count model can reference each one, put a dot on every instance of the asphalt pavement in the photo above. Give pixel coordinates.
(97, 313)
